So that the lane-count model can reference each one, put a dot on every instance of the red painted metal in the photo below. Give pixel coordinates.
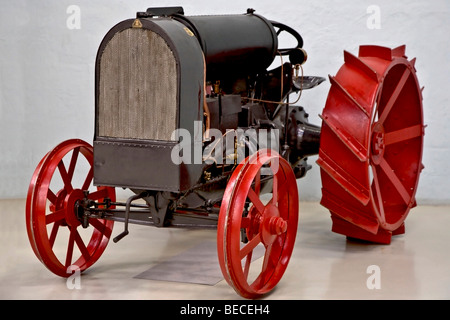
(371, 144)
(50, 210)
(270, 224)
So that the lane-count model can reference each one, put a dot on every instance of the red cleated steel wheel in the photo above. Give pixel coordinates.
(371, 144)
(270, 224)
(55, 231)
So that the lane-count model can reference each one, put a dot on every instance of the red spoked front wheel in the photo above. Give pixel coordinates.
(62, 179)
(371, 144)
(270, 225)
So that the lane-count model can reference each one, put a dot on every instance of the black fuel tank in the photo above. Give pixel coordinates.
(233, 45)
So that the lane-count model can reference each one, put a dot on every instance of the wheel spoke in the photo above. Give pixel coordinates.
(278, 190)
(99, 194)
(51, 197)
(267, 258)
(248, 260)
(258, 182)
(54, 232)
(250, 246)
(65, 177)
(403, 134)
(254, 198)
(88, 180)
(70, 247)
(378, 193)
(100, 227)
(387, 109)
(275, 190)
(55, 216)
(80, 243)
(262, 277)
(390, 173)
(73, 162)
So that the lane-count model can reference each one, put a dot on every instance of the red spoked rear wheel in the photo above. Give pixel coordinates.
(270, 225)
(61, 180)
(371, 144)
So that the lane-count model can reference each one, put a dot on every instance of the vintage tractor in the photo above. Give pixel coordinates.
(189, 118)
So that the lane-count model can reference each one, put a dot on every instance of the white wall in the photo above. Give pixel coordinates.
(47, 70)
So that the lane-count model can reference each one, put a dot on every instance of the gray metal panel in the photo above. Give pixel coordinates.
(136, 165)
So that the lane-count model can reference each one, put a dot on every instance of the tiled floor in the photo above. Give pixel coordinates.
(324, 265)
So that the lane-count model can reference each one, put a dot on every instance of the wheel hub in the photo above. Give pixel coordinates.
(378, 143)
(277, 225)
(272, 224)
(70, 205)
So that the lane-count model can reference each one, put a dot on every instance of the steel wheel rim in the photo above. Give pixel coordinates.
(371, 143)
(47, 211)
(272, 226)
